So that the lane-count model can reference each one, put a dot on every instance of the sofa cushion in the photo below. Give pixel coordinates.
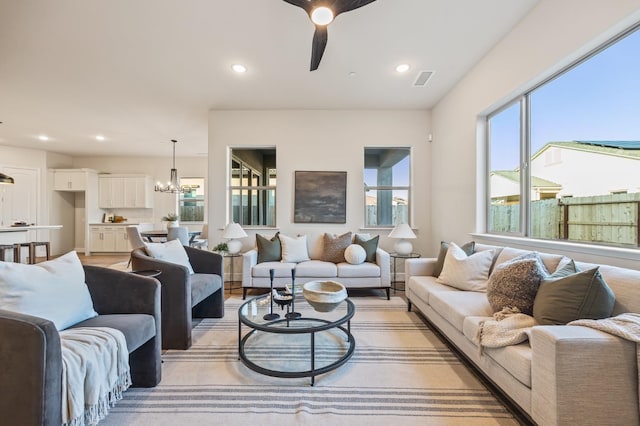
(583, 295)
(172, 251)
(468, 248)
(269, 250)
(366, 269)
(281, 269)
(203, 286)
(355, 254)
(514, 284)
(422, 286)
(455, 306)
(516, 359)
(334, 247)
(137, 328)
(294, 250)
(316, 269)
(466, 272)
(369, 245)
(54, 290)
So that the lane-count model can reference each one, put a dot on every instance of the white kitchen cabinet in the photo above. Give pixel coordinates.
(70, 179)
(110, 239)
(125, 191)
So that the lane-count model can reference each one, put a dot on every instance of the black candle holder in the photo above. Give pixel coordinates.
(293, 314)
(271, 315)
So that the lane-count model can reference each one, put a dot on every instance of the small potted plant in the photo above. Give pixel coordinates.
(172, 219)
(222, 248)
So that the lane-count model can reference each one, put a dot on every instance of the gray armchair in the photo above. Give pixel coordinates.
(185, 296)
(31, 355)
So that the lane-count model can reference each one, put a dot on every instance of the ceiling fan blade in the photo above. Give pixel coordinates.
(305, 4)
(341, 6)
(320, 37)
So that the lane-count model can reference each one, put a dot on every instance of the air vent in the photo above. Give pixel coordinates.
(423, 78)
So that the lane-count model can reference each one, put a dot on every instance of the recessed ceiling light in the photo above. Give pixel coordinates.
(403, 68)
(352, 74)
(100, 137)
(322, 15)
(43, 137)
(239, 68)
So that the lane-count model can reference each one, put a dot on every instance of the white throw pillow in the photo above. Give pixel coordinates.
(294, 250)
(466, 272)
(355, 254)
(171, 251)
(54, 290)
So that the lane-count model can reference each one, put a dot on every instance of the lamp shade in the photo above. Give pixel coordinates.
(402, 230)
(233, 230)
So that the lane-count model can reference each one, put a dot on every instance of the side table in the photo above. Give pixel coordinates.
(231, 258)
(395, 256)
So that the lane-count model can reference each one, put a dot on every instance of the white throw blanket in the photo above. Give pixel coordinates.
(626, 326)
(95, 372)
(507, 327)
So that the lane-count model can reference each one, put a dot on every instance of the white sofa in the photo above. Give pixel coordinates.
(364, 275)
(565, 375)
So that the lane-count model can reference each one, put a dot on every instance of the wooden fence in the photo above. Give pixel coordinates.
(605, 219)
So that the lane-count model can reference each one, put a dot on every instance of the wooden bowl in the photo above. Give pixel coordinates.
(324, 296)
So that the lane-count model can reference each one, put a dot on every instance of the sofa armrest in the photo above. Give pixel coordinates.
(382, 260)
(30, 370)
(205, 262)
(249, 260)
(422, 266)
(582, 376)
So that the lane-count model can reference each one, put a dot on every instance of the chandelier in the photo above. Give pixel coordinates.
(172, 186)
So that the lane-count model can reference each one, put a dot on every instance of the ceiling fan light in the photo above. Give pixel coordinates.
(239, 68)
(322, 15)
(403, 68)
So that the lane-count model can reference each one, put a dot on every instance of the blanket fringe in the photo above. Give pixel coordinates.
(94, 413)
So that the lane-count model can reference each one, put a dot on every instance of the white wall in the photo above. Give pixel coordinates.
(319, 140)
(552, 35)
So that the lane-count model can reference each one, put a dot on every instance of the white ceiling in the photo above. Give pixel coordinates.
(142, 72)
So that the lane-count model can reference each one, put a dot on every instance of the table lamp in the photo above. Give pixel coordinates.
(231, 232)
(402, 232)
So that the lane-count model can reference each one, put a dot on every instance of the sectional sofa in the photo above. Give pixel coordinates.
(564, 374)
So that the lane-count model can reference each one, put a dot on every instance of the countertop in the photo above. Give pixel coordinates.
(27, 228)
(113, 224)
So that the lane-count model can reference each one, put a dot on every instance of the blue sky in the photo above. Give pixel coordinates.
(597, 100)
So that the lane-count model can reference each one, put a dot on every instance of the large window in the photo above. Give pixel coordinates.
(253, 186)
(564, 158)
(387, 186)
(191, 202)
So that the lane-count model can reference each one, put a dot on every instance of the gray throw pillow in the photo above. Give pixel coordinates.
(269, 250)
(370, 246)
(583, 295)
(468, 248)
(514, 284)
(334, 247)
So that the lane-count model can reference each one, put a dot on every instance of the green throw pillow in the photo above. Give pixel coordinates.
(583, 295)
(370, 246)
(269, 250)
(468, 248)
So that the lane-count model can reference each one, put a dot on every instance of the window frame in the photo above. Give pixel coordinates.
(204, 199)
(241, 188)
(525, 157)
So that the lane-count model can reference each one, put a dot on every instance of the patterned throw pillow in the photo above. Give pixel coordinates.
(269, 250)
(469, 248)
(334, 247)
(370, 246)
(514, 284)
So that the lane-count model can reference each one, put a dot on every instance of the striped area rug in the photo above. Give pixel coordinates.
(400, 373)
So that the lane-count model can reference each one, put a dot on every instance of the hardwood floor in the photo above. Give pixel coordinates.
(103, 259)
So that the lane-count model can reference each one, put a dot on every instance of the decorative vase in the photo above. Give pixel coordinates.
(173, 224)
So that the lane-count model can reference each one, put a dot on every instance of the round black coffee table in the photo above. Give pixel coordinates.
(315, 343)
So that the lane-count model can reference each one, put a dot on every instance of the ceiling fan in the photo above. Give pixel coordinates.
(322, 13)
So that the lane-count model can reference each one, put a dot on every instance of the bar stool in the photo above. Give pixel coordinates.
(32, 250)
(14, 247)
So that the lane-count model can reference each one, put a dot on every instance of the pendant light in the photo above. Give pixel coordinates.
(172, 186)
(6, 180)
